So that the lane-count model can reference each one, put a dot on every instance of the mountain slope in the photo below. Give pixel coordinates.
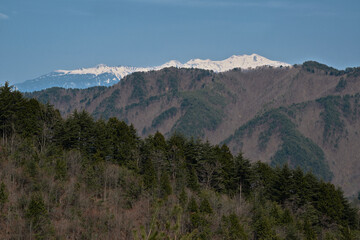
(103, 75)
(321, 136)
(213, 106)
(78, 178)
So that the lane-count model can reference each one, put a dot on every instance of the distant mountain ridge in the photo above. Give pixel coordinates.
(103, 75)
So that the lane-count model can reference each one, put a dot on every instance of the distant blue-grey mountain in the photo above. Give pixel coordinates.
(69, 80)
(103, 75)
(56, 79)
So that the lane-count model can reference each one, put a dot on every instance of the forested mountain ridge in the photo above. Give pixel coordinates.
(320, 136)
(214, 106)
(78, 178)
(241, 95)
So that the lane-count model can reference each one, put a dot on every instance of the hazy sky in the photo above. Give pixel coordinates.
(39, 36)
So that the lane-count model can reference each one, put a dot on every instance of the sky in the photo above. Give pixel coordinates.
(40, 36)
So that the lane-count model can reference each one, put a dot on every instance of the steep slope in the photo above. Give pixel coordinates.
(103, 75)
(236, 96)
(78, 178)
(320, 136)
(213, 106)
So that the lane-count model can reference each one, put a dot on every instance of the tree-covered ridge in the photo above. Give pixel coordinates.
(295, 149)
(335, 110)
(78, 178)
(203, 110)
(193, 91)
(312, 66)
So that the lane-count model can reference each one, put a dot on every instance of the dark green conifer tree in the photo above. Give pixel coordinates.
(192, 206)
(183, 198)
(263, 178)
(193, 183)
(60, 169)
(196, 220)
(3, 195)
(37, 216)
(283, 186)
(165, 185)
(286, 217)
(124, 143)
(243, 174)
(225, 158)
(102, 140)
(263, 228)
(78, 132)
(149, 174)
(160, 142)
(11, 103)
(231, 228)
(309, 231)
(205, 206)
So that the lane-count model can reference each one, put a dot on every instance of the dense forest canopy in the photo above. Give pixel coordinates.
(77, 178)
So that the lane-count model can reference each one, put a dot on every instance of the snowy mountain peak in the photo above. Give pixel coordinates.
(236, 61)
(103, 75)
(172, 63)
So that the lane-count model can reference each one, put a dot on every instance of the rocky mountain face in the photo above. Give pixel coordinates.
(306, 116)
(103, 75)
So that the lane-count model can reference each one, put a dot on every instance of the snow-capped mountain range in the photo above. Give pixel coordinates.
(103, 75)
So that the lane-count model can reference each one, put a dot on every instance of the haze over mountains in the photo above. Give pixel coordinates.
(103, 75)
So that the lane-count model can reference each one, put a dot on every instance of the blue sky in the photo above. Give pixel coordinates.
(39, 36)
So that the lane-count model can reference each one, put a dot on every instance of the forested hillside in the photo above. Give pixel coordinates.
(216, 103)
(305, 115)
(319, 136)
(80, 178)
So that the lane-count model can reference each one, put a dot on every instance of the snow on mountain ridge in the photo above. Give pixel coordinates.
(102, 75)
(235, 61)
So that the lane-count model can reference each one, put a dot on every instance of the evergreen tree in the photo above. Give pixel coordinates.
(232, 229)
(28, 120)
(309, 231)
(286, 217)
(330, 202)
(78, 132)
(165, 186)
(3, 195)
(299, 193)
(209, 168)
(227, 169)
(124, 143)
(11, 103)
(193, 180)
(149, 174)
(160, 142)
(243, 174)
(283, 186)
(205, 206)
(37, 216)
(102, 140)
(60, 169)
(263, 228)
(263, 178)
(183, 198)
(196, 219)
(192, 206)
